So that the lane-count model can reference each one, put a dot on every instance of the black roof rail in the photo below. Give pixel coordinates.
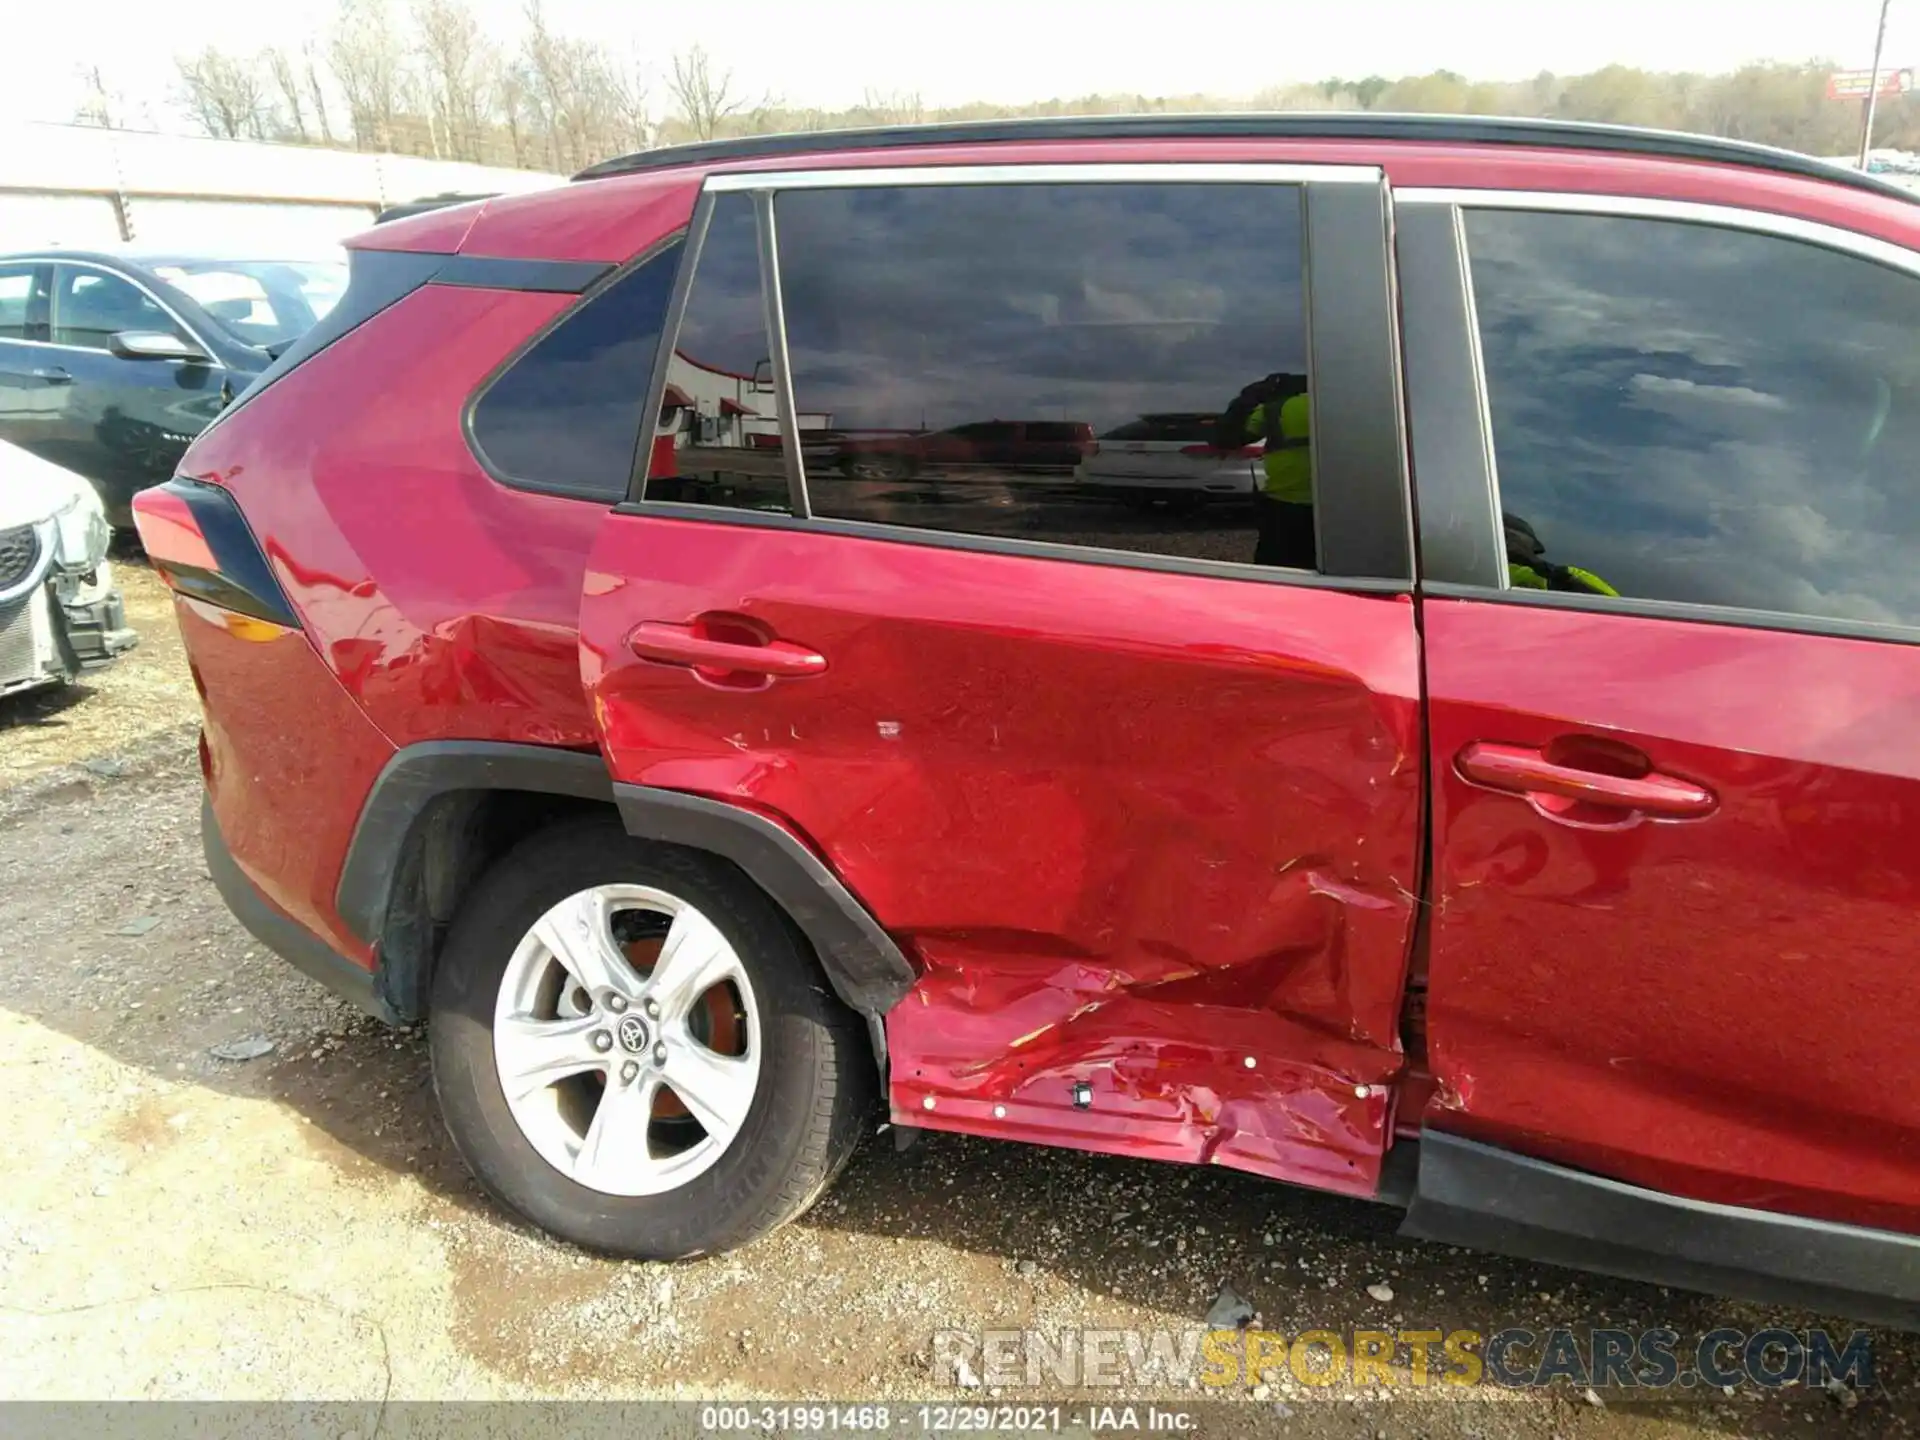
(1304, 125)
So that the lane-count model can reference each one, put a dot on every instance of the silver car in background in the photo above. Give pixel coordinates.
(60, 613)
(1171, 457)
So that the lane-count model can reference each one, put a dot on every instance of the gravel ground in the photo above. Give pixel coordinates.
(173, 1224)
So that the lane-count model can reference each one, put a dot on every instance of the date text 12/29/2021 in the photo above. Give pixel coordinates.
(941, 1419)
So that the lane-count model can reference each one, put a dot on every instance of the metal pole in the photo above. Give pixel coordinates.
(1873, 88)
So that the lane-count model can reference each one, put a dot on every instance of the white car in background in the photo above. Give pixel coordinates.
(59, 611)
(1170, 457)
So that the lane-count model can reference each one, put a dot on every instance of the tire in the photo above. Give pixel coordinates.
(811, 1100)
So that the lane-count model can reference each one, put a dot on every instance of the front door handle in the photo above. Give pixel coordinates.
(672, 644)
(1523, 771)
(53, 375)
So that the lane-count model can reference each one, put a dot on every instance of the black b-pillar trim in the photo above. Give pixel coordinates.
(1361, 503)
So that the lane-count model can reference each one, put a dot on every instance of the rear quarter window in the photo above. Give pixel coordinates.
(564, 417)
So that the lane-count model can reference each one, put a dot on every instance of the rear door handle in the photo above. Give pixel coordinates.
(53, 375)
(1521, 771)
(672, 644)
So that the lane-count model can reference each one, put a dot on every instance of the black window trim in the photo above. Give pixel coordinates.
(1431, 404)
(1379, 558)
(693, 244)
(774, 314)
(610, 277)
(1456, 498)
(1006, 545)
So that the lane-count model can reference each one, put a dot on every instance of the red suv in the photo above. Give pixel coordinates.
(1511, 812)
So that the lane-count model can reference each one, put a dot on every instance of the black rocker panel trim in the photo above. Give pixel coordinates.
(1487, 1198)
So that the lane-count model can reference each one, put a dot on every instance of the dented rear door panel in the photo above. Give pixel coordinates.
(1154, 834)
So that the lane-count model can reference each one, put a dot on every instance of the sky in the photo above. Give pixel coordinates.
(828, 52)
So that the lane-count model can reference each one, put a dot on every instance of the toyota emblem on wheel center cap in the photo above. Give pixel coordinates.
(632, 1031)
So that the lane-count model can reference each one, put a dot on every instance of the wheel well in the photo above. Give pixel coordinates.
(453, 840)
(442, 811)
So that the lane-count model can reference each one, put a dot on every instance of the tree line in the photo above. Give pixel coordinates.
(419, 77)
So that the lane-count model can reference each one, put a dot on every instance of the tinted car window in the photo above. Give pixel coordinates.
(1166, 428)
(565, 416)
(1691, 413)
(717, 440)
(259, 302)
(956, 350)
(91, 306)
(16, 295)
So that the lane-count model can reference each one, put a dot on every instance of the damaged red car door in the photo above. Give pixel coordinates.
(1140, 799)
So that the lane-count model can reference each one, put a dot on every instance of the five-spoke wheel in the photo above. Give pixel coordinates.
(625, 1038)
(636, 1049)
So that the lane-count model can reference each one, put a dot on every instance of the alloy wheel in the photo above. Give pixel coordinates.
(626, 1038)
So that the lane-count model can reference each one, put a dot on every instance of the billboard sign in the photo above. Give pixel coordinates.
(1855, 84)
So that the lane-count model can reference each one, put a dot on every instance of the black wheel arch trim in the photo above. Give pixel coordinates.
(417, 775)
(865, 967)
(1486, 1198)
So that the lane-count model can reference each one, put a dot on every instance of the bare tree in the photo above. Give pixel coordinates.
(509, 91)
(629, 96)
(586, 103)
(369, 64)
(454, 60)
(316, 92)
(705, 100)
(549, 87)
(892, 107)
(97, 105)
(291, 95)
(224, 94)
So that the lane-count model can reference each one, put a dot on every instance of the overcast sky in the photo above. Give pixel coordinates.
(827, 52)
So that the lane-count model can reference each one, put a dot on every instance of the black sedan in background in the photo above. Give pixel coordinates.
(110, 363)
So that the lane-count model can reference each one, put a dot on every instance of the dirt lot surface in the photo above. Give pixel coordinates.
(173, 1224)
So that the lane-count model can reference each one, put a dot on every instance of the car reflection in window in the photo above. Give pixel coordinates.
(1041, 362)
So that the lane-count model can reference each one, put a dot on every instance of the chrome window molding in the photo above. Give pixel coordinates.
(1177, 172)
(1477, 366)
(1636, 207)
(1017, 547)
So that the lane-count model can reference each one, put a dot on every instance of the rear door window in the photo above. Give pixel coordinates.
(719, 439)
(957, 351)
(1694, 413)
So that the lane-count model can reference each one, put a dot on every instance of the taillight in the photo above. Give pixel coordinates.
(1245, 452)
(200, 544)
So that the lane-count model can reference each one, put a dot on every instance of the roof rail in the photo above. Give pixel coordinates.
(1305, 125)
